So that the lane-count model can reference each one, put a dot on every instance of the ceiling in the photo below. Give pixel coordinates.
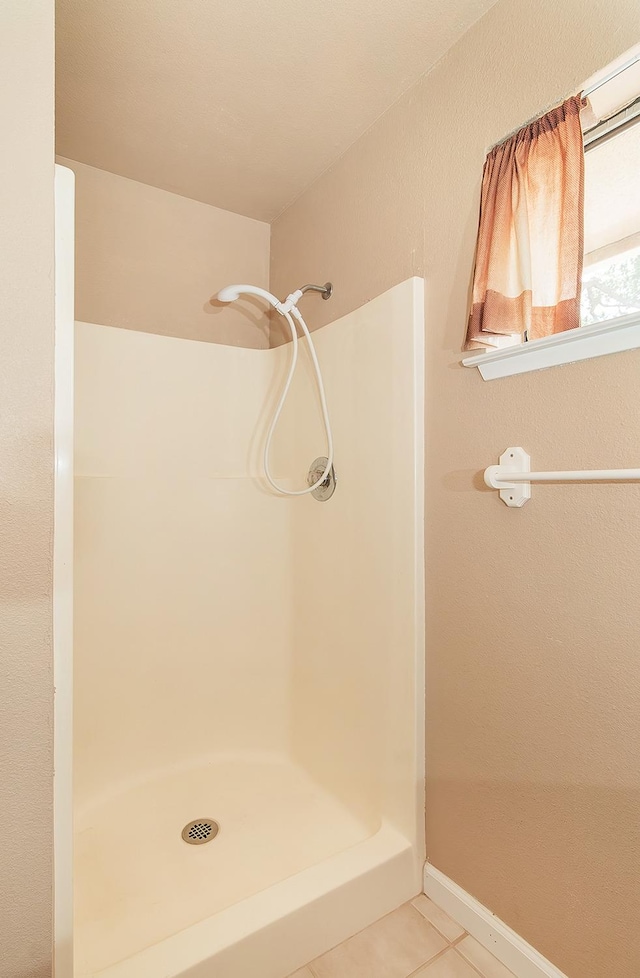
(238, 103)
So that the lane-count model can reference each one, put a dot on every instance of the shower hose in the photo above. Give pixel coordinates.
(288, 309)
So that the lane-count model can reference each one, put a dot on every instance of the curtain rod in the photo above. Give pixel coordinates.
(614, 74)
(585, 94)
(606, 129)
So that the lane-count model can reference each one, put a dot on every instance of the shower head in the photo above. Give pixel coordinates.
(229, 294)
(232, 292)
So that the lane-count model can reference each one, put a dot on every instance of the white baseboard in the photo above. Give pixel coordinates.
(507, 946)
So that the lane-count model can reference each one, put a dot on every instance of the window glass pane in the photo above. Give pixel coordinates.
(611, 288)
(611, 198)
(611, 279)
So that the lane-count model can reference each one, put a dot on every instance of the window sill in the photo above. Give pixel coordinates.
(596, 340)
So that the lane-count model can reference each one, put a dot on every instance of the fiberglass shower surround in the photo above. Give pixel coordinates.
(321, 486)
(207, 689)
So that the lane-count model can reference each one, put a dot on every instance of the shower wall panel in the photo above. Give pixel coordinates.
(183, 562)
(358, 618)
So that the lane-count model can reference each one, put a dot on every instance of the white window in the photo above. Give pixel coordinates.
(610, 306)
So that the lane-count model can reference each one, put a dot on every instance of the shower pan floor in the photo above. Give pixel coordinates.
(137, 882)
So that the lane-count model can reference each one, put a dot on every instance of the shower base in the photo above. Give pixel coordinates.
(150, 906)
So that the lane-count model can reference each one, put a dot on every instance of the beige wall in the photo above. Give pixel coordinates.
(533, 666)
(26, 493)
(150, 260)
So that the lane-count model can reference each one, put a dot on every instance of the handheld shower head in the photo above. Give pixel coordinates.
(289, 310)
(232, 292)
(229, 294)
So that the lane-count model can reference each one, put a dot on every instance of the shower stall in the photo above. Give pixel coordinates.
(247, 666)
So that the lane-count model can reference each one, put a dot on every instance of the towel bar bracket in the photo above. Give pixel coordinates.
(514, 494)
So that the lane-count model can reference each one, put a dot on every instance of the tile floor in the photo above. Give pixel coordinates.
(419, 940)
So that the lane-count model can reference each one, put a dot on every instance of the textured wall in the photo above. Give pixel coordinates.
(26, 486)
(533, 669)
(150, 260)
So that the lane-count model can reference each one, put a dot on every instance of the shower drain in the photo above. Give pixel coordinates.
(199, 831)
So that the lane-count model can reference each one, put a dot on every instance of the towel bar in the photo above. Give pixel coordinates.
(513, 476)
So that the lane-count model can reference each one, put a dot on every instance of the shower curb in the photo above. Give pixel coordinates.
(496, 936)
